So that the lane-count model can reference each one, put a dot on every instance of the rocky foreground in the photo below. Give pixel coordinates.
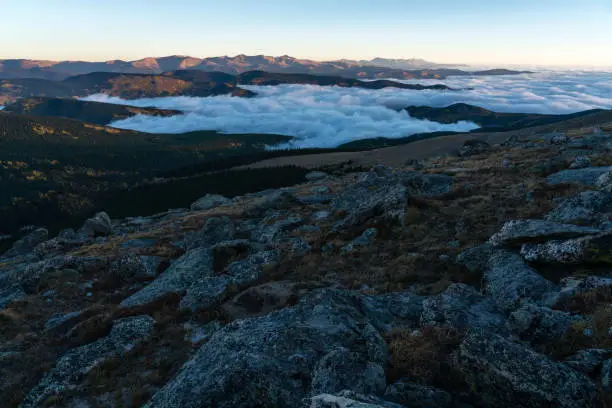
(481, 279)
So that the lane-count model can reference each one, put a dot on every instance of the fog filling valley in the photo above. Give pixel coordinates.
(329, 116)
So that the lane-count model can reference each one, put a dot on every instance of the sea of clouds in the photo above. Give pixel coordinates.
(329, 116)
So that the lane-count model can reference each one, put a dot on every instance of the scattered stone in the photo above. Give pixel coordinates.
(587, 176)
(580, 162)
(585, 207)
(510, 375)
(77, 363)
(210, 201)
(426, 185)
(374, 196)
(365, 239)
(604, 182)
(572, 286)
(539, 324)
(269, 233)
(589, 360)
(214, 231)
(606, 375)
(316, 176)
(299, 247)
(474, 147)
(28, 242)
(320, 215)
(132, 266)
(262, 299)
(342, 369)
(320, 190)
(518, 232)
(196, 334)
(476, 259)
(510, 282)
(180, 276)
(461, 307)
(98, 225)
(414, 395)
(557, 138)
(348, 399)
(595, 249)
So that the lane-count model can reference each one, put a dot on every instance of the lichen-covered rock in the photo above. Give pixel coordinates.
(587, 176)
(269, 233)
(571, 286)
(414, 395)
(585, 207)
(475, 259)
(74, 365)
(210, 201)
(540, 324)
(215, 230)
(425, 185)
(604, 182)
(98, 225)
(580, 162)
(509, 375)
(596, 249)
(606, 375)
(342, 369)
(28, 242)
(510, 282)
(316, 176)
(179, 277)
(274, 200)
(365, 239)
(589, 360)
(348, 399)
(473, 147)
(210, 290)
(372, 197)
(132, 266)
(461, 307)
(518, 232)
(268, 361)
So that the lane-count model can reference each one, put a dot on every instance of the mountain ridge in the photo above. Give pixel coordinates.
(375, 68)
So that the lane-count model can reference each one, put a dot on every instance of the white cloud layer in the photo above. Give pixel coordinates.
(328, 116)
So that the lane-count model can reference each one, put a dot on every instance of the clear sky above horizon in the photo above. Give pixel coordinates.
(544, 32)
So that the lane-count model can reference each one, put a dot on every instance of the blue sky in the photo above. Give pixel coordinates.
(548, 32)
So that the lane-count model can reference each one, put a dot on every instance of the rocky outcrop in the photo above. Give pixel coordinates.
(586, 207)
(210, 201)
(348, 399)
(508, 374)
(414, 395)
(28, 243)
(73, 366)
(268, 361)
(518, 232)
(604, 182)
(587, 176)
(595, 249)
(539, 324)
(98, 225)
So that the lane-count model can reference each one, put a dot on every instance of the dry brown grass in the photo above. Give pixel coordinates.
(421, 356)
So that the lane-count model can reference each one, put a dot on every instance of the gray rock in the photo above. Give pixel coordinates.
(316, 175)
(269, 233)
(299, 246)
(320, 215)
(580, 162)
(275, 200)
(77, 363)
(98, 225)
(476, 259)
(347, 399)
(557, 138)
(474, 147)
(426, 185)
(60, 320)
(510, 282)
(132, 266)
(518, 232)
(342, 369)
(604, 182)
(461, 307)
(210, 290)
(606, 375)
(320, 190)
(316, 199)
(585, 207)
(508, 374)
(589, 360)
(418, 396)
(215, 230)
(587, 176)
(268, 361)
(372, 197)
(139, 243)
(365, 239)
(180, 276)
(539, 324)
(28, 242)
(595, 249)
(572, 286)
(210, 201)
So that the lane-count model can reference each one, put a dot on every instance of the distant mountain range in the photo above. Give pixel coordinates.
(376, 68)
(177, 83)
